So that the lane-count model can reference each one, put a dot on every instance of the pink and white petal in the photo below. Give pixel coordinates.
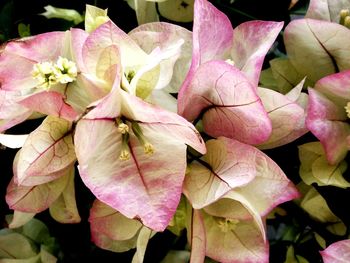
(212, 34)
(50, 103)
(107, 221)
(163, 99)
(78, 38)
(107, 35)
(47, 152)
(64, 208)
(326, 10)
(15, 73)
(152, 35)
(335, 87)
(270, 187)
(196, 236)
(34, 199)
(338, 252)
(231, 165)
(136, 187)
(243, 243)
(13, 141)
(327, 122)
(227, 98)
(251, 42)
(39, 48)
(287, 117)
(162, 121)
(323, 43)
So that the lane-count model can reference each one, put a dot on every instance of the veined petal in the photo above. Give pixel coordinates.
(43, 47)
(34, 199)
(243, 243)
(287, 117)
(251, 41)
(196, 236)
(228, 102)
(326, 10)
(46, 153)
(161, 120)
(232, 165)
(325, 43)
(326, 121)
(50, 103)
(136, 187)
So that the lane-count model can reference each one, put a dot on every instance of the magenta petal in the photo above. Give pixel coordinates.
(251, 42)
(228, 102)
(50, 103)
(327, 122)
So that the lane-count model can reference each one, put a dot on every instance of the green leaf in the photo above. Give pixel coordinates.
(24, 30)
(63, 13)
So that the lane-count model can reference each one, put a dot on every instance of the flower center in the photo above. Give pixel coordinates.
(226, 224)
(48, 73)
(344, 17)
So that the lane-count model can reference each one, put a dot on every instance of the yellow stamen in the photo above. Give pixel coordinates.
(148, 148)
(230, 61)
(226, 224)
(124, 155)
(123, 128)
(65, 70)
(342, 15)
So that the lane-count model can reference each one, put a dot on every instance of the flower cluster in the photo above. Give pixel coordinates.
(194, 161)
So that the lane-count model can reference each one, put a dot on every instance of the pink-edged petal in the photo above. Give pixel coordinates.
(107, 35)
(229, 165)
(240, 243)
(47, 152)
(152, 35)
(162, 121)
(212, 33)
(64, 208)
(287, 117)
(335, 87)
(228, 102)
(106, 220)
(137, 187)
(326, 10)
(270, 187)
(50, 103)
(251, 41)
(317, 48)
(212, 39)
(78, 38)
(338, 252)
(327, 122)
(34, 199)
(196, 236)
(13, 141)
(39, 48)
(15, 72)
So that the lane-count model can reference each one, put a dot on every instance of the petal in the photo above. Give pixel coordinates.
(39, 48)
(232, 165)
(163, 121)
(34, 199)
(137, 187)
(13, 141)
(251, 41)
(287, 117)
(141, 244)
(50, 103)
(196, 236)
(47, 151)
(244, 243)
(20, 218)
(324, 43)
(326, 121)
(146, 11)
(228, 102)
(163, 35)
(64, 208)
(338, 252)
(177, 10)
(326, 10)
